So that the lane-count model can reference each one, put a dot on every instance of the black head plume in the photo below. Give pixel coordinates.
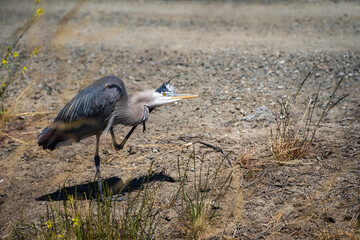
(165, 86)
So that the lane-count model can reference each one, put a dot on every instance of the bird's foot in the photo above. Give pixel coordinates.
(118, 147)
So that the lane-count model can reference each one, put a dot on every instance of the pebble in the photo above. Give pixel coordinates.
(341, 74)
(262, 113)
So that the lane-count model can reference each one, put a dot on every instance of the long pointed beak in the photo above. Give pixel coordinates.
(184, 96)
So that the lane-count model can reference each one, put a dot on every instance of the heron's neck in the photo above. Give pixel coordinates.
(132, 112)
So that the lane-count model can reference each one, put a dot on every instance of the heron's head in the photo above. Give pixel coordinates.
(166, 94)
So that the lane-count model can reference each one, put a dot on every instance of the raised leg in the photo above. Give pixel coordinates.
(122, 144)
(97, 164)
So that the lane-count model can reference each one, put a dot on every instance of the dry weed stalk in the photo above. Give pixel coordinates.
(198, 203)
(291, 139)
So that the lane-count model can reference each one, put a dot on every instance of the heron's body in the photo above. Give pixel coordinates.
(87, 114)
(100, 106)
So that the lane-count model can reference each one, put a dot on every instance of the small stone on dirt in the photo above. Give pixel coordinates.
(261, 114)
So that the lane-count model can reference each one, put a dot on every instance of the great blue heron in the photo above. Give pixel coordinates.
(101, 106)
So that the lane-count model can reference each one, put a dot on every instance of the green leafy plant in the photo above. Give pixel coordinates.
(199, 200)
(107, 218)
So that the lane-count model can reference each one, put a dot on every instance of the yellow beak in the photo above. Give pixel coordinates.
(185, 96)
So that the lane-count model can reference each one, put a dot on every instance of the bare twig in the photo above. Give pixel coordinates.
(31, 113)
(15, 139)
(22, 93)
(301, 85)
(217, 149)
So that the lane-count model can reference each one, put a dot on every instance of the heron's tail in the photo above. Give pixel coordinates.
(51, 137)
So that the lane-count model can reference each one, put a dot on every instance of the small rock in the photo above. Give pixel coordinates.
(249, 118)
(132, 150)
(341, 74)
(261, 114)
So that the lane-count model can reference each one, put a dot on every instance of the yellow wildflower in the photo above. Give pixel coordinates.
(37, 1)
(75, 221)
(70, 199)
(15, 54)
(4, 61)
(48, 223)
(39, 12)
(59, 236)
(3, 85)
(34, 52)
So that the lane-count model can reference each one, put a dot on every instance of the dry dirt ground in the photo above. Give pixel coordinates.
(237, 57)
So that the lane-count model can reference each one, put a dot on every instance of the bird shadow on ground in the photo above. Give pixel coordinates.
(113, 185)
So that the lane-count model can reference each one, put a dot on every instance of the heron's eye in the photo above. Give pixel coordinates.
(164, 94)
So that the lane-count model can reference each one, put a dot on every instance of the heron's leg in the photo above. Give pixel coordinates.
(113, 138)
(144, 127)
(122, 144)
(97, 164)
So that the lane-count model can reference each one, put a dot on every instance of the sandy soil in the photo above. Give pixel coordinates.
(237, 57)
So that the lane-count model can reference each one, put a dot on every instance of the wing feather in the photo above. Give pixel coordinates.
(95, 101)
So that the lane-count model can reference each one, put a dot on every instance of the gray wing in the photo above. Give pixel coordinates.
(95, 102)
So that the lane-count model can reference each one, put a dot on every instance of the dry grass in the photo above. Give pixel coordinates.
(293, 139)
(331, 233)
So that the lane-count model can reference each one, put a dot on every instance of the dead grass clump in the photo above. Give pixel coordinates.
(331, 233)
(293, 139)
